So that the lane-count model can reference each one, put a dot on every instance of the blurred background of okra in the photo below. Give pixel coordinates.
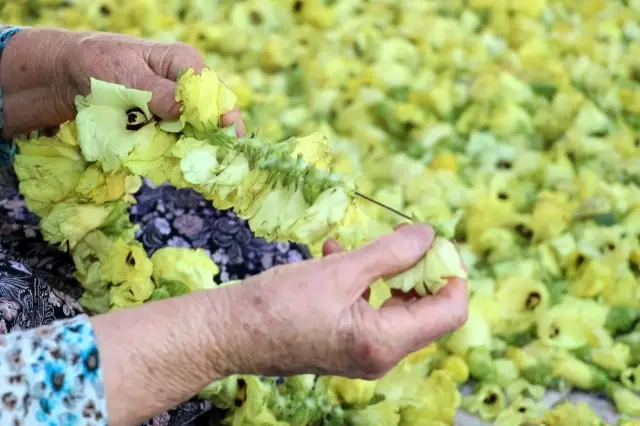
(523, 114)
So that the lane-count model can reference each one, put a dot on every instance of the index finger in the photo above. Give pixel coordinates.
(183, 57)
(233, 117)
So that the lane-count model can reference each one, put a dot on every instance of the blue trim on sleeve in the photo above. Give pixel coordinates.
(7, 147)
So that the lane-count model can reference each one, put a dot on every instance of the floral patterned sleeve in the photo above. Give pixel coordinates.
(51, 375)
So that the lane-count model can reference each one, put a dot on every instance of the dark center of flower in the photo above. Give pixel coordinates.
(524, 231)
(554, 331)
(130, 259)
(532, 301)
(503, 196)
(104, 10)
(297, 6)
(579, 260)
(136, 119)
(256, 17)
(607, 247)
(522, 409)
(241, 396)
(504, 164)
(490, 399)
(409, 126)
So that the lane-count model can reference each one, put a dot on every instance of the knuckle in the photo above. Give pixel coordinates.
(390, 247)
(371, 359)
(142, 82)
(395, 253)
(378, 364)
(458, 318)
(188, 50)
(380, 255)
(154, 85)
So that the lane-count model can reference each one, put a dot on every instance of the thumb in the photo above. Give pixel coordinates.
(391, 254)
(426, 319)
(330, 247)
(163, 103)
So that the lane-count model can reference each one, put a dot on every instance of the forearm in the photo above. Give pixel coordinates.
(158, 355)
(29, 66)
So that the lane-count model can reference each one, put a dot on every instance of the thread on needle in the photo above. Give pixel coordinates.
(384, 206)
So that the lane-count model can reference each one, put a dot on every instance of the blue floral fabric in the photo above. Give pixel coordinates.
(51, 376)
(40, 288)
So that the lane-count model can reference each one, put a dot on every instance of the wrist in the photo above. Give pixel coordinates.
(32, 78)
(244, 328)
(163, 353)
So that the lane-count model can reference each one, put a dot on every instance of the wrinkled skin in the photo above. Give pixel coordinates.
(311, 317)
(308, 317)
(43, 70)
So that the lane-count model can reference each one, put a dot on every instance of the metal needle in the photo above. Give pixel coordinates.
(384, 206)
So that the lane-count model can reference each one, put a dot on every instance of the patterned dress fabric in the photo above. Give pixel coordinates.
(37, 286)
(49, 364)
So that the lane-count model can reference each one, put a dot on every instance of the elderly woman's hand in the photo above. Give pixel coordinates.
(308, 317)
(42, 71)
(311, 317)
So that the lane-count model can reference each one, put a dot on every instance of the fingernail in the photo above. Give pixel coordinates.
(402, 225)
(335, 245)
(420, 235)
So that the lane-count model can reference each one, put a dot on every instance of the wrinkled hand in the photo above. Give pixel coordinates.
(49, 68)
(311, 317)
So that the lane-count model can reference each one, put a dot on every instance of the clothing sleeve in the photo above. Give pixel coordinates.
(51, 375)
(6, 32)
(7, 146)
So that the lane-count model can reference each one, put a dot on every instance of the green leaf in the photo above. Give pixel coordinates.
(539, 374)
(118, 221)
(557, 290)
(633, 341)
(633, 120)
(546, 90)
(583, 353)
(481, 366)
(174, 288)
(521, 338)
(296, 83)
(605, 219)
(159, 294)
(399, 94)
(621, 319)
(95, 303)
